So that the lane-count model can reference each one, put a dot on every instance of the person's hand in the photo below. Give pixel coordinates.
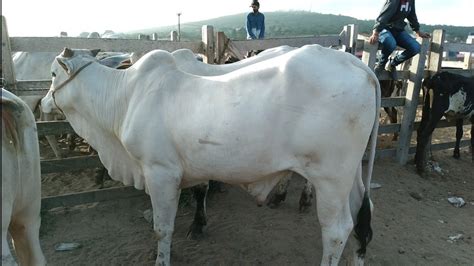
(423, 34)
(374, 38)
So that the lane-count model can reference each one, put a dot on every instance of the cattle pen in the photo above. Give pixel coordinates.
(213, 46)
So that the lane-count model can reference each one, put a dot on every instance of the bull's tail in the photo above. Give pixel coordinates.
(362, 228)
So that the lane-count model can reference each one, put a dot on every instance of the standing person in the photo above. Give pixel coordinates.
(389, 31)
(255, 22)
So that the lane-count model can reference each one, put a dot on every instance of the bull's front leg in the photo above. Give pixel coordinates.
(459, 133)
(163, 187)
(423, 138)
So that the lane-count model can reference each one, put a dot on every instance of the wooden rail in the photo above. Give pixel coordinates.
(106, 194)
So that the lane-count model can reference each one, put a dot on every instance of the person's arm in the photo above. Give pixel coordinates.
(249, 29)
(262, 30)
(388, 10)
(415, 25)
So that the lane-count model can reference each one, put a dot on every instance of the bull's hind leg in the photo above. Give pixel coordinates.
(334, 215)
(200, 220)
(361, 211)
(279, 193)
(24, 229)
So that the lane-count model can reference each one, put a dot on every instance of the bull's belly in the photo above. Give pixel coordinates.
(232, 171)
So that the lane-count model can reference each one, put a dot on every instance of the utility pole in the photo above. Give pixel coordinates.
(179, 27)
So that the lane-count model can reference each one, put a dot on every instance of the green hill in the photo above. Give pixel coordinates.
(288, 24)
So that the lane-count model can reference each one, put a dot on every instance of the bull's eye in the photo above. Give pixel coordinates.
(53, 74)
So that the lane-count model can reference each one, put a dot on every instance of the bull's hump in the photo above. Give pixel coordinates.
(156, 60)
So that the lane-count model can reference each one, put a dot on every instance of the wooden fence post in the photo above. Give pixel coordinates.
(208, 41)
(221, 43)
(174, 36)
(411, 102)
(369, 54)
(468, 62)
(352, 31)
(436, 51)
(7, 61)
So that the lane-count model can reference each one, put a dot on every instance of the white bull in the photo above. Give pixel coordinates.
(161, 129)
(21, 183)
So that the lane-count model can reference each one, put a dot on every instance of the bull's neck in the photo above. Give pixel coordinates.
(104, 98)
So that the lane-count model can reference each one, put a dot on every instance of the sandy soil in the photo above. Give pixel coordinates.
(412, 223)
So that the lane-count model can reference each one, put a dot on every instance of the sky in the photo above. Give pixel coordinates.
(50, 17)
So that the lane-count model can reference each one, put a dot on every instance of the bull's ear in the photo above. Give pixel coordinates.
(95, 52)
(67, 52)
(63, 62)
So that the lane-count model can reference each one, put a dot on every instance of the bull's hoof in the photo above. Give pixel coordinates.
(420, 170)
(424, 172)
(195, 231)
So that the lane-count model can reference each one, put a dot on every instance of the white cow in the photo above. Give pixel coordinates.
(161, 129)
(21, 183)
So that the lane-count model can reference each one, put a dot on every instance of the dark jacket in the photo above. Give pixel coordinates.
(394, 13)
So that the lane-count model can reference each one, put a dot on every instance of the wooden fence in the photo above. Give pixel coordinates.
(214, 46)
(425, 64)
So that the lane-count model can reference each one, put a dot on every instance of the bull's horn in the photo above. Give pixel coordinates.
(67, 52)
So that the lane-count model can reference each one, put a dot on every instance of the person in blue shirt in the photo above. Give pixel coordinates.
(389, 31)
(255, 23)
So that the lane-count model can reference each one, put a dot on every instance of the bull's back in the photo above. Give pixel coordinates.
(256, 119)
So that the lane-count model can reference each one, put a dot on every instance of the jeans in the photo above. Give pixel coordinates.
(390, 39)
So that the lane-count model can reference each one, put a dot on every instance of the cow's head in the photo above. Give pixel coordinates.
(64, 69)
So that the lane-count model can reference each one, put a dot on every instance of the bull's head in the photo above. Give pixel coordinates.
(63, 70)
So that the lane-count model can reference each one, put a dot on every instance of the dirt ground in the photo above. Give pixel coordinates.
(413, 222)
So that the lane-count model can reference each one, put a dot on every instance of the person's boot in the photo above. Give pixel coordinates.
(392, 70)
(379, 68)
